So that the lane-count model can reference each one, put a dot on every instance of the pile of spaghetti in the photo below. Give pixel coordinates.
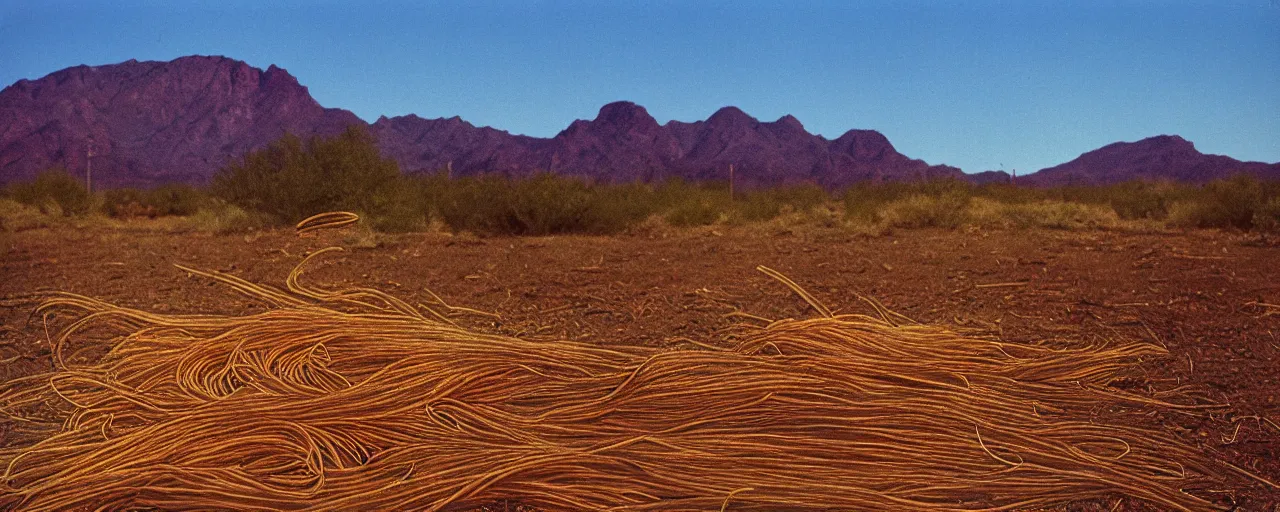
(353, 399)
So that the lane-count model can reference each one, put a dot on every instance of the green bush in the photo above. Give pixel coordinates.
(546, 204)
(1142, 200)
(399, 210)
(1267, 216)
(173, 199)
(54, 192)
(695, 213)
(620, 207)
(863, 205)
(176, 199)
(469, 204)
(684, 204)
(218, 216)
(1230, 203)
(290, 179)
(543, 204)
(125, 203)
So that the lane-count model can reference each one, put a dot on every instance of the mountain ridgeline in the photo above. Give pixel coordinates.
(149, 123)
(624, 143)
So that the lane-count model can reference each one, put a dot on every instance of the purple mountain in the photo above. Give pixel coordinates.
(180, 121)
(153, 122)
(1165, 157)
(624, 143)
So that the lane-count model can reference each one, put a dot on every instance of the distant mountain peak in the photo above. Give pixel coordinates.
(1162, 157)
(1156, 143)
(625, 114)
(790, 121)
(863, 144)
(622, 110)
(731, 116)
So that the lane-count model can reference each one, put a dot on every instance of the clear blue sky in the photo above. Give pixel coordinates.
(976, 84)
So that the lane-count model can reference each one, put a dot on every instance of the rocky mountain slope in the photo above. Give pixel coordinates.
(180, 121)
(624, 143)
(153, 122)
(1164, 157)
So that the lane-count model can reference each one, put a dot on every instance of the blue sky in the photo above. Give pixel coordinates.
(977, 84)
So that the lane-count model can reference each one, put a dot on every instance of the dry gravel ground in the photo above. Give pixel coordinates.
(1209, 297)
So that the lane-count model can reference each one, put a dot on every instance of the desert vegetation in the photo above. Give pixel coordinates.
(292, 179)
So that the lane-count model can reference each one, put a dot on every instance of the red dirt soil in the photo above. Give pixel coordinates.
(1209, 297)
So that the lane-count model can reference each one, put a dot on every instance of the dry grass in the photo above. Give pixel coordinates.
(353, 399)
(1049, 214)
(15, 216)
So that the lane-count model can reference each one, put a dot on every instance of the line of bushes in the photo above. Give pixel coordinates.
(1241, 202)
(549, 204)
(293, 178)
(56, 193)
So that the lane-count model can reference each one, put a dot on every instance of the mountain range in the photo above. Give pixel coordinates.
(147, 123)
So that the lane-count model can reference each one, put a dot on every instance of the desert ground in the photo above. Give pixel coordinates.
(1209, 297)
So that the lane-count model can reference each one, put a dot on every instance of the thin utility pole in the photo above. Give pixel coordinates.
(88, 169)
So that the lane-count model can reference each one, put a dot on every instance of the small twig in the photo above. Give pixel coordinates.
(1002, 285)
(1272, 423)
(1193, 257)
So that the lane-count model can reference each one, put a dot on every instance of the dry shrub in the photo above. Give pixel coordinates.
(921, 211)
(1267, 216)
(1232, 203)
(1041, 214)
(220, 217)
(770, 203)
(292, 179)
(702, 212)
(353, 399)
(165, 200)
(543, 204)
(16, 216)
(54, 192)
